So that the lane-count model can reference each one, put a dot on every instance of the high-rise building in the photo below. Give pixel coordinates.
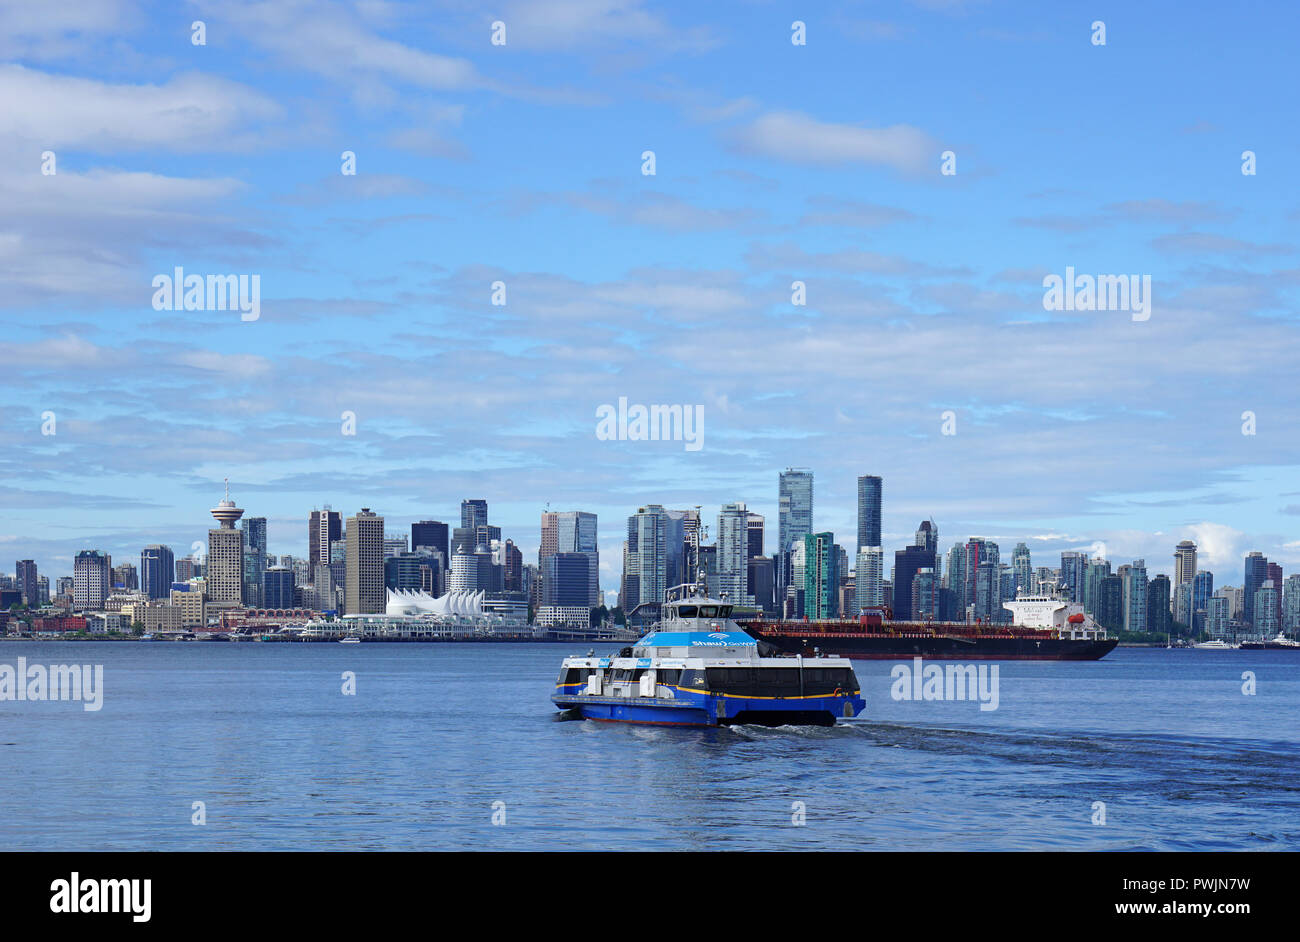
(1202, 591)
(733, 553)
(1072, 569)
(1256, 573)
(464, 571)
(954, 580)
(1274, 574)
(1184, 562)
(1096, 570)
(512, 567)
(395, 546)
(1110, 602)
(186, 569)
(550, 539)
(1158, 615)
(27, 585)
(91, 580)
(762, 582)
(431, 534)
(870, 488)
(1135, 596)
(794, 520)
(648, 554)
(1217, 616)
(927, 537)
(1291, 604)
(983, 590)
(277, 587)
(924, 603)
(124, 577)
(225, 568)
(907, 563)
(157, 565)
(821, 576)
(364, 566)
(565, 582)
(575, 532)
(1023, 569)
(254, 531)
(473, 514)
(754, 535)
(1266, 610)
(324, 529)
(868, 584)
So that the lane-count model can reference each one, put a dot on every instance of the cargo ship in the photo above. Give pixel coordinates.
(1044, 627)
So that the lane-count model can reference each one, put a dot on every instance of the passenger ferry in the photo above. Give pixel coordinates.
(698, 668)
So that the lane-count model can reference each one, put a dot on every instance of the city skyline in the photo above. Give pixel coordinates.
(386, 368)
(300, 547)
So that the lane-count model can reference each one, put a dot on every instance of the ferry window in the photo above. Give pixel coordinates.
(708, 611)
(724, 611)
(669, 676)
(687, 611)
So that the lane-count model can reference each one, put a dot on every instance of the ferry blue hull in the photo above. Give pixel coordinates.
(708, 710)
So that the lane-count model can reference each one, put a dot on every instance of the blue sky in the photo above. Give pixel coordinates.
(522, 163)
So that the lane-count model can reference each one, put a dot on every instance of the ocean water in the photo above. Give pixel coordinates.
(439, 738)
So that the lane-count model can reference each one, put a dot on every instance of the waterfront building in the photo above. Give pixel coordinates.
(1291, 604)
(324, 529)
(225, 567)
(1273, 572)
(1135, 596)
(648, 555)
(190, 603)
(732, 553)
(92, 580)
(124, 577)
(1184, 562)
(1217, 617)
(1072, 569)
(794, 521)
(403, 572)
(924, 603)
(254, 532)
(277, 587)
(870, 491)
(26, 582)
(821, 576)
(1110, 602)
(364, 564)
(1256, 573)
(907, 563)
(1023, 570)
(565, 582)
(1202, 590)
(868, 584)
(762, 582)
(1159, 619)
(157, 565)
(576, 532)
(1266, 610)
(431, 534)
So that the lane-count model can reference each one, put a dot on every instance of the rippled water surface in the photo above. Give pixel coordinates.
(436, 734)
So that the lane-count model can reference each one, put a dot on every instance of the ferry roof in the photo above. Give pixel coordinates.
(696, 639)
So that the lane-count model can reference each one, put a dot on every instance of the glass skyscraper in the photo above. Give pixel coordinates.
(869, 499)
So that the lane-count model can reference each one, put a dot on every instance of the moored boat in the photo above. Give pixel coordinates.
(697, 668)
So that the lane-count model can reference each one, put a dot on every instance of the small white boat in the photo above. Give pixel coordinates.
(349, 640)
